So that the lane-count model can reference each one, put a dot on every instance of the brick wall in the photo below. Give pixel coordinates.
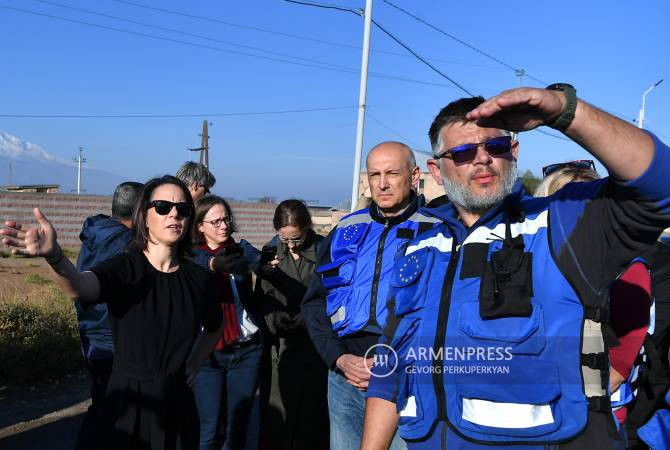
(68, 211)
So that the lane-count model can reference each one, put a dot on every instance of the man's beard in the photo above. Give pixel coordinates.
(460, 195)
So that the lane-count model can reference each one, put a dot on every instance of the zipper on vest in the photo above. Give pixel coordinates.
(441, 334)
(378, 271)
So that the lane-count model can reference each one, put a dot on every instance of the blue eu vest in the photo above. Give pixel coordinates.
(362, 253)
(497, 373)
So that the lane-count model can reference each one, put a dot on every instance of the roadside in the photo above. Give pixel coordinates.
(46, 416)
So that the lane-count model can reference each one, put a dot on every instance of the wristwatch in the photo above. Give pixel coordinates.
(563, 121)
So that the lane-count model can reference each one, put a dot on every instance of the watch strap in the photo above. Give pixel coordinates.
(563, 121)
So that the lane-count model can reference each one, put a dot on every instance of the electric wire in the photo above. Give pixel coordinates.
(392, 36)
(321, 5)
(164, 116)
(383, 125)
(462, 42)
(290, 35)
(552, 135)
(185, 33)
(324, 66)
(178, 41)
(454, 82)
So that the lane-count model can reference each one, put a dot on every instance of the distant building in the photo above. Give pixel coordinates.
(43, 188)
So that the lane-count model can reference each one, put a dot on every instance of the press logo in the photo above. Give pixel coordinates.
(381, 360)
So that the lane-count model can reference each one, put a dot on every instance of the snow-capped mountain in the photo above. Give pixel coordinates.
(32, 164)
(14, 148)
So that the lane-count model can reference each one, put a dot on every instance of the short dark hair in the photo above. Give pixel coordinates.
(125, 198)
(139, 230)
(195, 173)
(202, 206)
(292, 212)
(452, 113)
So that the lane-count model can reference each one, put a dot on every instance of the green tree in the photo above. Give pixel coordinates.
(530, 181)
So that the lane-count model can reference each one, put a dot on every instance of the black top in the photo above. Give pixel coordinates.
(155, 317)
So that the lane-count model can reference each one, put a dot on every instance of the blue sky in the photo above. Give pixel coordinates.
(610, 51)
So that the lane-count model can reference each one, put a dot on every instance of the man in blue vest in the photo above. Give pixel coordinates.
(101, 238)
(345, 305)
(487, 339)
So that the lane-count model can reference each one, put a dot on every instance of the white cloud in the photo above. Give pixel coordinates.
(14, 148)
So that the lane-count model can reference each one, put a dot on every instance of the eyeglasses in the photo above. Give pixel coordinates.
(295, 241)
(164, 207)
(216, 223)
(466, 153)
(583, 164)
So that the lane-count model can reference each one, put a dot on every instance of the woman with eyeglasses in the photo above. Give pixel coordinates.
(227, 384)
(297, 415)
(158, 301)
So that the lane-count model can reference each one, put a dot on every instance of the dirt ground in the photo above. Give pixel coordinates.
(13, 273)
(39, 416)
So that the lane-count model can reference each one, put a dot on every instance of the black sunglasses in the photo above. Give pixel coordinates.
(466, 153)
(578, 164)
(163, 207)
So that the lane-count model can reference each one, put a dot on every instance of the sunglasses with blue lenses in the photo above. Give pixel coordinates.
(584, 164)
(163, 207)
(466, 153)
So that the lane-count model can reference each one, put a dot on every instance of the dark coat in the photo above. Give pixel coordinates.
(297, 415)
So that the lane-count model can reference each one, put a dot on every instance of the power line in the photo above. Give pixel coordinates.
(455, 83)
(388, 33)
(552, 135)
(383, 125)
(290, 35)
(321, 5)
(178, 41)
(462, 42)
(231, 24)
(325, 66)
(185, 33)
(164, 116)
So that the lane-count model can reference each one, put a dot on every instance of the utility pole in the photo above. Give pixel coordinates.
(520, 73)
(640, 119)
(361, 103)
(10, 173)
(204, 145)
(79, 160)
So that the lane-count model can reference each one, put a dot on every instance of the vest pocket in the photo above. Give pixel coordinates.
(337, 273)
(520, 402)
(518, 335)
(410, 274)
(409, 405)
(337, 276)
(412, 370)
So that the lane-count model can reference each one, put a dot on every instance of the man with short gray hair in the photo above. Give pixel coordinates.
(197, 178)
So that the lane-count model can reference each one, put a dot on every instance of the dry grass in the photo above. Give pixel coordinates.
(38, 332)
